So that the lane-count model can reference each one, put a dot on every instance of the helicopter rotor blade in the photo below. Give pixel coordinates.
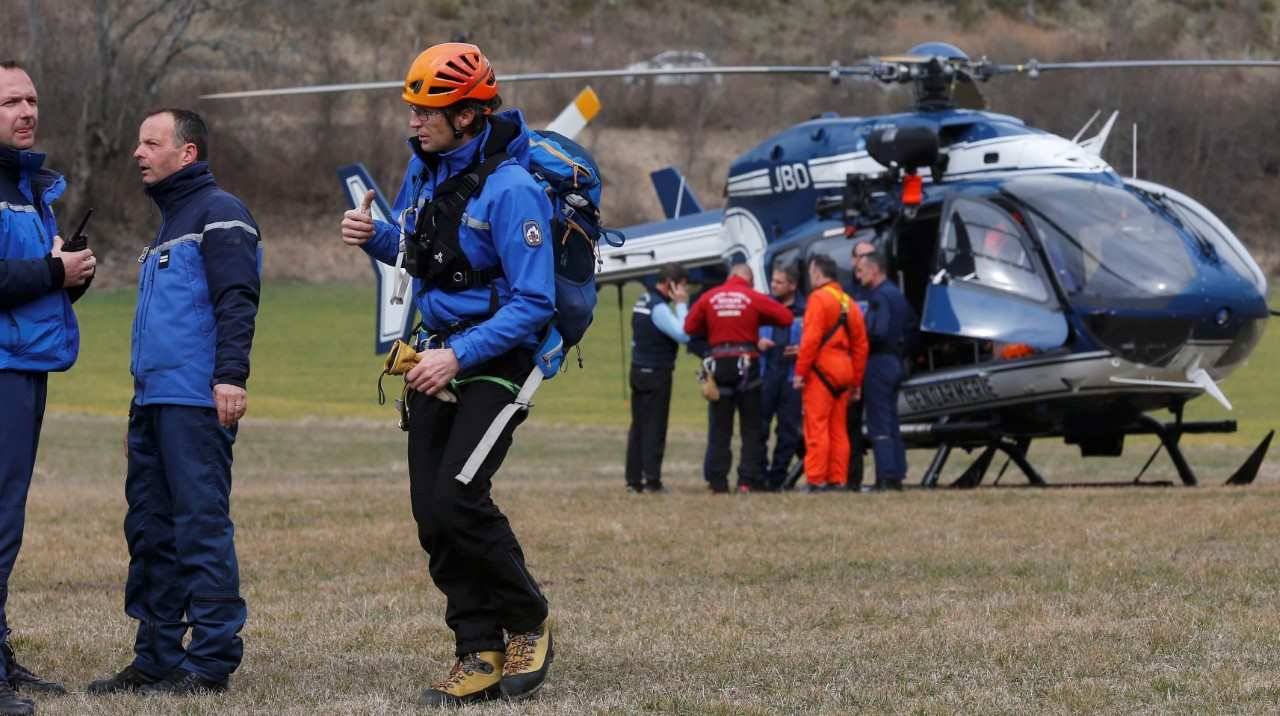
(835, 71)
(1033, 68)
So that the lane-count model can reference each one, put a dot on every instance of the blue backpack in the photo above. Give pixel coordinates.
(571, 178)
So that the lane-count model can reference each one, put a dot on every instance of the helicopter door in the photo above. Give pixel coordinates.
(986, 283)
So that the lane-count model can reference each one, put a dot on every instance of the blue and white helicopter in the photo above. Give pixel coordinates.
(1058, 299)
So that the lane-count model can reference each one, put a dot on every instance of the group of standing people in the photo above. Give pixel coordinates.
(816, 367)
(193, 327)
(198, 290)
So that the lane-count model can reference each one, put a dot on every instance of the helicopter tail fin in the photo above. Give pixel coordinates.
(674, 193)
(1094, 144)
(393, 319)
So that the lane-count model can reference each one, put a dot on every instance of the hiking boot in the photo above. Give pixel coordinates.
(129, 679)
(11, 704)
(529, 658)
(21, 678)
(474, 677)
(183, 683)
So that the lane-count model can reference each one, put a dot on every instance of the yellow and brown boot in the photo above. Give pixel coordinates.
(529, 656)
(474, 677)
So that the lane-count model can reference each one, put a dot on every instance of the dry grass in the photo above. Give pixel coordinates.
(1007, 601)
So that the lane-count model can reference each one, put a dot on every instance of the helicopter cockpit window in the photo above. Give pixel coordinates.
(983, 244)
(1105, 240)
(1223, 246)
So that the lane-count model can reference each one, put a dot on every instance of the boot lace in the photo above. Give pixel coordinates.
(520, 652)
(462, 668)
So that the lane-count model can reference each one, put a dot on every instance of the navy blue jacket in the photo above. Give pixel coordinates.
(508, 224)
(197, 293)
(891, 321)
(38, 330)
(773, 362)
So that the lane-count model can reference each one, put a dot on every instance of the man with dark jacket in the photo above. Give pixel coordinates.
(485, 289)
(779, 346)
(38, 334)
(730, 316)
(857, 444)
(656, 335)
(891, 323)
(197, 302)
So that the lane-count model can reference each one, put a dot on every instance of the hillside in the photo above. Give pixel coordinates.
(1207, 133)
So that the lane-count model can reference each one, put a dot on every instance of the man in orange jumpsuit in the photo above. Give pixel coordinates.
(833, 356)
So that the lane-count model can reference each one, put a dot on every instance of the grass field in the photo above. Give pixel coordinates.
(988, 601)
(313, 357)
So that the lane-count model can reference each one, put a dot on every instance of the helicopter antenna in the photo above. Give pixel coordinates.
(1135, 150)
(1086, 126)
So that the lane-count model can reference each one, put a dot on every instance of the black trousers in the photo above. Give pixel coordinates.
(475, 559)
(647, 439)
(778, 398)
(739, 393)
(857, 445)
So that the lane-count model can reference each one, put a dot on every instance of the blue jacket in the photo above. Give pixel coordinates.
(890, 320)
(494, 231)
(38, 330)
(773, 364)
(197, 293)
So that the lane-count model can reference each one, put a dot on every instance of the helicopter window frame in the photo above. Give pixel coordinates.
(843, 257)
(1005, 263)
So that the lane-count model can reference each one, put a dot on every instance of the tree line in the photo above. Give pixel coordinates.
(99, 65)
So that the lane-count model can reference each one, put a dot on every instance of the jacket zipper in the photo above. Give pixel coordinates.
(144, 302)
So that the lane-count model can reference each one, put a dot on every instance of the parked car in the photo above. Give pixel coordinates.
(674, 60)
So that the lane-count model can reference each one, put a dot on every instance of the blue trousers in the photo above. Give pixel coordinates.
(183, 573)
(779, 399)
(880, 401)
(22, 397)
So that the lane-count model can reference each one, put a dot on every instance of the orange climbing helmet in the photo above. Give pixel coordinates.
(448, 73)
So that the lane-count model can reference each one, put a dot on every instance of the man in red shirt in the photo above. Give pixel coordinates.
(729, 316)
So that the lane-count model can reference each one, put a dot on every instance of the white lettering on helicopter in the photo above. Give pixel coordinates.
(790, 177)
(945, 394)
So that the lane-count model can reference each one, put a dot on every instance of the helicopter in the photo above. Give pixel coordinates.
(1118, 296)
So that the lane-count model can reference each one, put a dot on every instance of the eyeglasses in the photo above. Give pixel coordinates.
(424, 113)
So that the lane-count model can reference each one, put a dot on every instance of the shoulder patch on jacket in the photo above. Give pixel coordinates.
(532, 233)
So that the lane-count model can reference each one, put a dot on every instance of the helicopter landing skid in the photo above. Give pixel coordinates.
(1015, 450)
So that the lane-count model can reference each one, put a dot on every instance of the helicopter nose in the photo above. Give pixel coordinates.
(1228, 334)
(1217, 329)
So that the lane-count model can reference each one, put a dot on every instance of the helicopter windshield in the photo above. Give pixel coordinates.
(1104, 240)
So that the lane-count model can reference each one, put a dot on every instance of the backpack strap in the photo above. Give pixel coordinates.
(440, 262)
(843, 298)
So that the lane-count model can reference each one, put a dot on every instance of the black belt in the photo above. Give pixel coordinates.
(437, 337)
(733, 350)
